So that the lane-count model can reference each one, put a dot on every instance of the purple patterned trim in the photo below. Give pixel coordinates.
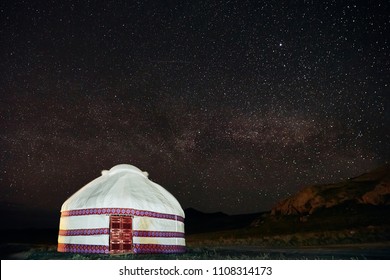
(146, 233)
(138, 248)
(87, 231)
(80, 248)
(157, 248)
(136, 233)
(121, 211)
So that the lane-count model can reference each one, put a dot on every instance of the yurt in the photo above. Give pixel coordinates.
(122, 211)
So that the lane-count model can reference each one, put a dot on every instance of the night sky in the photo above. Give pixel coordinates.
(230, 105)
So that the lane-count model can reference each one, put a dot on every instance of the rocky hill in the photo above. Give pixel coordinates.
(372, 188)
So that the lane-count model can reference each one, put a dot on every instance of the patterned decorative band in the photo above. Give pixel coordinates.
(137, 233)
(138, 248)
(121, 211)
(157, 248)
(89, 231)
(146, 233)
(79, 248)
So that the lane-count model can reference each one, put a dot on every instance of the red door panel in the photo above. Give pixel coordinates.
(121, 237)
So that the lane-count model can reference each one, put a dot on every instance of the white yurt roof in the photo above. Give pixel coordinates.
(124, 186)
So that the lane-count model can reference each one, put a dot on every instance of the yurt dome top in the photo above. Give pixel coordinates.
(124, 168)
(127, 187)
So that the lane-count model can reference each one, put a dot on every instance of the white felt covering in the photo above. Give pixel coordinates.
(124, 186)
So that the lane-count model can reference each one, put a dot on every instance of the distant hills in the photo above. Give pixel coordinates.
(362, 201)
(372, 188)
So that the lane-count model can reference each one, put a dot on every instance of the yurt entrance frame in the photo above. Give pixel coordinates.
(121, 234)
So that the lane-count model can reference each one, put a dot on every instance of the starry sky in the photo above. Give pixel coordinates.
(230, 105)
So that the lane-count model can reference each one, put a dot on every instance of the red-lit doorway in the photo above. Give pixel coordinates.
(121, 236)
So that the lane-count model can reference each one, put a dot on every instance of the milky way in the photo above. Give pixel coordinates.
(230, 105)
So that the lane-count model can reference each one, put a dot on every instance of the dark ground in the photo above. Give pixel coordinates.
(376, 251)
(41, 245)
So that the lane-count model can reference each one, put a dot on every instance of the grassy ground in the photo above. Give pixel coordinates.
(244, 244)
(44, 252)
(191, 254)
(253, 236)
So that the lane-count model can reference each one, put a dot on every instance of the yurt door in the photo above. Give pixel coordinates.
(121, 236)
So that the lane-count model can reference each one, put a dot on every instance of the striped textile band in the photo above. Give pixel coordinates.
(80, 248)
(121, 211)
(136, 233)
(157, 248)
(138, 248)
(89, 231)
(146, 233)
